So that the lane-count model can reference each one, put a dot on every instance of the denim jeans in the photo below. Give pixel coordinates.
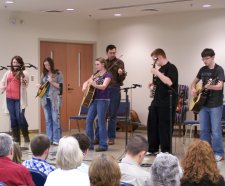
(17, 117)
(115, 96)
(97, 108)
(211, 129)
(52, 124)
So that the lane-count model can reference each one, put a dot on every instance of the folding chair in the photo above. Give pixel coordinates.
(38, 177)
(82, 115)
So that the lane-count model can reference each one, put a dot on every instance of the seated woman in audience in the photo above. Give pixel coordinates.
(104, 171)
(17, 153)
(165, 170)
(200, 166)
(68, 158)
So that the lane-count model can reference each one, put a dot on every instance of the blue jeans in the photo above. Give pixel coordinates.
(52, 124)
(211, 129)
(97, 108)
(115, 96)
(17, 117)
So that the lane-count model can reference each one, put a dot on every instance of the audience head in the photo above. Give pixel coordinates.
(69, 156)
(40, 145)
(199, 162)
(6, 145)
(137, 148)
(104, 170)
(17, 153)
(83, 140)
(166, 170)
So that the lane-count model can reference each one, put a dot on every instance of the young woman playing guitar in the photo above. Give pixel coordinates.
(99, 105)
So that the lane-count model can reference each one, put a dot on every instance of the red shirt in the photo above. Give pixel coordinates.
(13, 174)
(13, 87)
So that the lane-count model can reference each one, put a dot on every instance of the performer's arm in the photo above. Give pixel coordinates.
(218, 86)
(85, 84)
(121, 71)
(166, 80)
(103, 86)
(193, 86)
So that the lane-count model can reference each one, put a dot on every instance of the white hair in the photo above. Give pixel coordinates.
(6, 143)
(165, 170)
(69, 155)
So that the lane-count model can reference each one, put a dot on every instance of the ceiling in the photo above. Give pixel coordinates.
(105, 9)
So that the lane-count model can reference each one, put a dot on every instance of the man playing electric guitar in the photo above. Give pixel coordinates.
(211, 111)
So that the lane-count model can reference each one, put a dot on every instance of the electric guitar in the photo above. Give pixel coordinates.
(202, 95)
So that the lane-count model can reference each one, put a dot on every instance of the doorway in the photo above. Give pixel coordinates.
(75, 61)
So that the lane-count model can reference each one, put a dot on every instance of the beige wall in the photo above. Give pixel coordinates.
(183, 36)
(23, 39)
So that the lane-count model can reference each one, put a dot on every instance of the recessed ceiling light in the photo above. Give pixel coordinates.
(117, 15)
(70, 9)
(206, 6)
(9, 2)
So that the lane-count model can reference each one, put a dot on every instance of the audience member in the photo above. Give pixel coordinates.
(11, 173)
(39, 145)
(17, 153)
(130, 164)
(199, 165)
(165, 170)
(68, 158)
(84, 143)
(104, 170)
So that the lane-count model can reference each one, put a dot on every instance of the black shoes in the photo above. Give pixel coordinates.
(100, 149)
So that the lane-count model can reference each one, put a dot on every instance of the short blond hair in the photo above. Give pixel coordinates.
(69, 156)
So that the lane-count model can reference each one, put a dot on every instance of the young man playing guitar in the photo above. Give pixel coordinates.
(211, 111)
(158, 124)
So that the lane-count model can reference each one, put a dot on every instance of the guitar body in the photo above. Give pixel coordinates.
(88, 96)
(197, 102)
(42, 90)
(200, 99)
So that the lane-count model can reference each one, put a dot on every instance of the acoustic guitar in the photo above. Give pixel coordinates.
(202, 95)
(90, 90)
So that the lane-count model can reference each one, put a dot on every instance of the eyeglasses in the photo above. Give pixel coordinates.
(206, 58)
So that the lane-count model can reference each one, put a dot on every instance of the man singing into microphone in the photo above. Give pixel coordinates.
(116, 67)
(166, 79)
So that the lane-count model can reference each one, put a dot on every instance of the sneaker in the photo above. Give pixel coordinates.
(218, 158)
(55, 143)
(100, 149)
(111, 142)
(152, 153)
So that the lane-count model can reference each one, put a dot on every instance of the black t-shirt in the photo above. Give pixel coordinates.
(162, 96)
(215, 97)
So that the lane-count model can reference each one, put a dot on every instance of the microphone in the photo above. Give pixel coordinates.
(137, 85)
(30, 65)
(4, 68)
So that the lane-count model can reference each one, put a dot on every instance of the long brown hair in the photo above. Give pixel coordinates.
(52, 66)
(199, 163)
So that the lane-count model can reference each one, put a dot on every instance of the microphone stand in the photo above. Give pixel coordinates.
(127, 110)
(20, 70)
(171, 91)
